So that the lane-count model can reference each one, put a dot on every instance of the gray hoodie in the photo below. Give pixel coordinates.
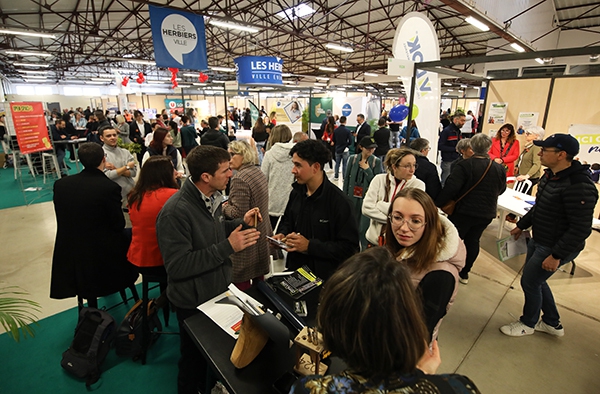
(277, 167)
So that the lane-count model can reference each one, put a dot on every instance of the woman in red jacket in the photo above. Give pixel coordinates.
(156, 184)
(505, 148)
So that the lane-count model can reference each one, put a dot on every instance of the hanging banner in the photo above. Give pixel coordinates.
(179, 38)
(174, 104)
(416, 40)
(259, 70)
(588, 136)
(497, 113)
(254, 113)
(30, 126)
(319, 107)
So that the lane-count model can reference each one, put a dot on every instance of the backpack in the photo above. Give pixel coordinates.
(94, 334)
(129, 335)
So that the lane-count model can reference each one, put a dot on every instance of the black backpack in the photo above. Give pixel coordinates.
(94, 334)
(129, 335)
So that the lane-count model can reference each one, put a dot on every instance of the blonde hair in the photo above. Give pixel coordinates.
(243, 148)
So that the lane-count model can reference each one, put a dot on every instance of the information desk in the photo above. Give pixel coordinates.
(269, 365)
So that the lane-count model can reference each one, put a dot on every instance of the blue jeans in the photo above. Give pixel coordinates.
(340, 157)
(259, 147)
(538, 296)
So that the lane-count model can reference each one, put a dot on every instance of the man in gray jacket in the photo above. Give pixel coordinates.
(120, 165)
(196, 241)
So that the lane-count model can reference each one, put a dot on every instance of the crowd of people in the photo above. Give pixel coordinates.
(392, 261)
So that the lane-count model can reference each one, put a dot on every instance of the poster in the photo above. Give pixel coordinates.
(527, 120)
(588, 136)
(293, 110)
(318, 109)
(350, 107)
(30, 126)
(497, 113)
(174, 105)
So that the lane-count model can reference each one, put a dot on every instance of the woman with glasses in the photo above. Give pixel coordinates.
(400, 164)
(505, 148)
(477, 182)
(430, 247)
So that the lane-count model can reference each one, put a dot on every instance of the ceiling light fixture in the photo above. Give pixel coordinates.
(339, 47)
(299, 11)
(156, 82)
(190, 75)
(382, 84)
(320, 84)
(101, 79)
(539, 60)
(224, 69)
(35, 76)
(198, 84)
(447, 84)
(144, 62)
(332, 69)
(480, 25)
(27, 33)
(357, 82)
(463, 86)
(31, 65)
(33, 72)
(233, 26)
(219, 81)
(322, 78)
(286, 75)
(517, 47)
(24, 53)
(370, 75)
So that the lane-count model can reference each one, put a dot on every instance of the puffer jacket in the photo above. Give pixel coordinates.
(277, 167)
(563, 210)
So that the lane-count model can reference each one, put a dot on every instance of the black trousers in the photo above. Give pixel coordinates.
(194, 372)
(469, 229)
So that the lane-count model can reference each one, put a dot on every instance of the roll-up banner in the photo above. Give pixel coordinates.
(259, 70)
(416, 40)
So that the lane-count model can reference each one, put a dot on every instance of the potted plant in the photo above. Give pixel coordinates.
(16, 313)
(132, 147)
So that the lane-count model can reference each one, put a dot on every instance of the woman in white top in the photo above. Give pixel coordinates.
(400, 164)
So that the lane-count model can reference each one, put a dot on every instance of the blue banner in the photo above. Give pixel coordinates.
(259, 70)
(179, 39)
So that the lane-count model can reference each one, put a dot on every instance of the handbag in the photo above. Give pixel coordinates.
(448, 208)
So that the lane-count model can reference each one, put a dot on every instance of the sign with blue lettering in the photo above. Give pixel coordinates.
(346, 109)
(259, 70)
(179, 38)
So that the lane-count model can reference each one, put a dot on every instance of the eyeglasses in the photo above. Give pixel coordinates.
(413, 223)
(505, 131)
(409, 166)
(549, 150)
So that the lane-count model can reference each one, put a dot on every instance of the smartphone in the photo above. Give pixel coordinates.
(277, 242)
(284, 383)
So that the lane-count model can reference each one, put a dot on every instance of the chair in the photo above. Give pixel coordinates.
(49, 162)
(520, 186)
(93, 301)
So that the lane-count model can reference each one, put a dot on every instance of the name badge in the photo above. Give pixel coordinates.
(358, 192)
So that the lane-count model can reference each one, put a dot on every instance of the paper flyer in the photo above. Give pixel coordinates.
(509, 248)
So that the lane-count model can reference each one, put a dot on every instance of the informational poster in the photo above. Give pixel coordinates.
(350, 107)
(293, 110)
(174, 104)
(30, 126)
(179, 38)
(497, 113)
(259, 70)
(149, 113)
(131, 106)
(319, 107)
(203, 108)
(588, 136)
(528, 119)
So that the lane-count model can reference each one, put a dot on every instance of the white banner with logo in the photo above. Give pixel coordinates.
(350, 107)
(416, 40)
(588, 136)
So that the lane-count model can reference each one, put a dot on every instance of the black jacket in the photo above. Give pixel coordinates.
(327, 220)
(363, 131)
(428, 173)
(447, 142)
(341, 139)
(382, 139)
(563, 210)
(215, 138)
(482, 201)
(134, 132)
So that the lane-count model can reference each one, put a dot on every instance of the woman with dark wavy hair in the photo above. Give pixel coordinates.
(370, 316)
(505, 148)
(162, 145)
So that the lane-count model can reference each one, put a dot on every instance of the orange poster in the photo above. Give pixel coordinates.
(30, 127)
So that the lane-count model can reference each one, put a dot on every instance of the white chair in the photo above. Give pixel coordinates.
(520, 186)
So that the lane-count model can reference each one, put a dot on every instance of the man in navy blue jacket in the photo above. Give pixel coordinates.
(447, 143)
(341, 141)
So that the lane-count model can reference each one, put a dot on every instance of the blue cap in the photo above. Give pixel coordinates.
(565, 142)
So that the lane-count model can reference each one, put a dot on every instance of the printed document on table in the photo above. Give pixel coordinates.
(226, 316)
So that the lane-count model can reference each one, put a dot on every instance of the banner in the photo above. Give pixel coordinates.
(588, 136)
(179, 38)
(416, 40)
(30, 126)
(258, 70)
(319, 107)
(174, 104)
(253, 112)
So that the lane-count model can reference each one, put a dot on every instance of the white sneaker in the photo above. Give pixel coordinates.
(516, 329)
(464, 281)
(558, 331)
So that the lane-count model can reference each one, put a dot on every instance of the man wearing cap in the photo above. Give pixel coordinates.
(362, 168)
(561, 220)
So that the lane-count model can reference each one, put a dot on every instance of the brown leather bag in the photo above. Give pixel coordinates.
(448, 208)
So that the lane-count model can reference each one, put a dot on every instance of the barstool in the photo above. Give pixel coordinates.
(93, 301)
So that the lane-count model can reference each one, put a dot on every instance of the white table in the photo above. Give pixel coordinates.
(514, 202)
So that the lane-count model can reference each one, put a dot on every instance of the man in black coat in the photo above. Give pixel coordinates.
(447, 143)
(90, 251)
(426, 170)
(562, 221)
(341, 142)
(318, 224)
(59, 133)
(362, 130)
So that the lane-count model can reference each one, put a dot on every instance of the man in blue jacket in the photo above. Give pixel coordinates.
(561, 220)
(447, 143)
(341, 141)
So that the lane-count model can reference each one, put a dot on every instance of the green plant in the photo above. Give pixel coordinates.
(132, 147)
(305, 119)
(16, 313)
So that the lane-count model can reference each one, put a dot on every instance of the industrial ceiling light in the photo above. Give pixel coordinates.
(102, 79)
(322, 78)
(36, 76)
(223, 69)
(339, 47)
(32, 72)
(594, 58)
(144, 62)
(26, 33)
(233, 26)
(24, 53)
(299, 11)
(517, 47)
(320, 84)
(357, 82)
(371, 75)
(447, 84)
(332, 69)
(31, 65)
(480, 25)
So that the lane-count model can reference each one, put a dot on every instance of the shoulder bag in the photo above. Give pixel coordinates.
(448, 207)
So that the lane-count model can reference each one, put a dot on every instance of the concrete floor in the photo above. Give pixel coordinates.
(470, 341)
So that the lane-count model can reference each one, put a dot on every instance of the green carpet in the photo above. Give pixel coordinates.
(33, 365)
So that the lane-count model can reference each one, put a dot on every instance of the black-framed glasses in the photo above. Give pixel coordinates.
(413, 224)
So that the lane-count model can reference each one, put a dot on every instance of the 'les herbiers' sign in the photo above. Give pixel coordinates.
(259, 70)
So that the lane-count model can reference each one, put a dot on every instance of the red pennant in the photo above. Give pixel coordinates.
(125, 81)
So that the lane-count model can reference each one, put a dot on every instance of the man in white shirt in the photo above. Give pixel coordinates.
(120, 165)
